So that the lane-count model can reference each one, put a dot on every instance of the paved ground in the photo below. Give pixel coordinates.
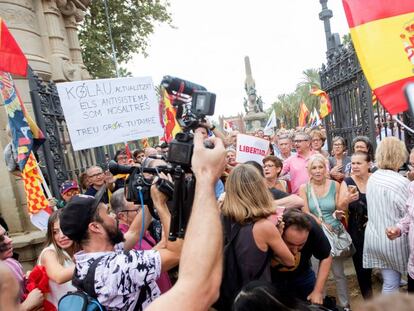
(354, 293)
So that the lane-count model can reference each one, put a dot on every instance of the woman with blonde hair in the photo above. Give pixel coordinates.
(387, 194)
(246, 207)
(320, 197)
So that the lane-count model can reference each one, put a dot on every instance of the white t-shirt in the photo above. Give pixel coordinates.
(57, 290)
(120, 275)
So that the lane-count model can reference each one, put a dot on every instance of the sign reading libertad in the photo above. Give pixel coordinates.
(108, 111)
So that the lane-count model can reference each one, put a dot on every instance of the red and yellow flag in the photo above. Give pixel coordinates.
(325, 106)
(12, 58)
(171, 126)
(383, 35)
(303, 114)
(36, 199)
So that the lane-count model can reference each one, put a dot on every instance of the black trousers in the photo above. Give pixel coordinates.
(363, 275)
(410, 285)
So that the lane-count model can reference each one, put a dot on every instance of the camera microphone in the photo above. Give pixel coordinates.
(116, 168)
(157, 156)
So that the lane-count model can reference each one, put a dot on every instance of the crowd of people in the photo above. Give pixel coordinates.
(256, 238)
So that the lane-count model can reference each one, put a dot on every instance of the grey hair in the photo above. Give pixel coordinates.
(118, 201)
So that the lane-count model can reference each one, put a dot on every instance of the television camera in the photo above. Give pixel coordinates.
(193, 104)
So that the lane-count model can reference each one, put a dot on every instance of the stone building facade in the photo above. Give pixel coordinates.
(46, 31)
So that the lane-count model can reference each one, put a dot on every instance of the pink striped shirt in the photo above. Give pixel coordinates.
(406, 225)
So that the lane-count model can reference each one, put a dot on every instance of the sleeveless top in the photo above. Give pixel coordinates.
(250, 258)
(57, 290)
(357, 210)
(327, 205)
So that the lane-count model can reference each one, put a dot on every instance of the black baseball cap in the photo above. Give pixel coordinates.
(78, 213)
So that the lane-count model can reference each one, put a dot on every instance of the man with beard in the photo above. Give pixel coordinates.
(124, 277)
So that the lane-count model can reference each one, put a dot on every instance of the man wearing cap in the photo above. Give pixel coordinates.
(123, 277)
(67, 190)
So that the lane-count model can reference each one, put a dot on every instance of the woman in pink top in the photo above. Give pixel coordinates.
(406, 226)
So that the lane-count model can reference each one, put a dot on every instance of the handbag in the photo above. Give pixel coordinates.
(340, 240)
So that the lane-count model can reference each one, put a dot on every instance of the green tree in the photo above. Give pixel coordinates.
(132, 22)
(310, 79)
(287, 105)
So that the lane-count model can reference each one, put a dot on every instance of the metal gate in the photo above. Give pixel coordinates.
(354, 112)
(57, 159)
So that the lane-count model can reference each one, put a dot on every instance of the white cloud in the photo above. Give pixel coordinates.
(282, 38)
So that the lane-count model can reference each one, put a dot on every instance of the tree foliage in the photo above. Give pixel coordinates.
(132, 22)
(287, 105)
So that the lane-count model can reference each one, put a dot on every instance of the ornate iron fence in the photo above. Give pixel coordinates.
(353, 112)
(57, 158)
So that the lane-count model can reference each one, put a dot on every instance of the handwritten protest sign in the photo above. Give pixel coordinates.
(108, 111)
(250, 148)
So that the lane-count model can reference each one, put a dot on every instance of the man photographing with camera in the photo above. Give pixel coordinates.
(200, 272)
(124, 278)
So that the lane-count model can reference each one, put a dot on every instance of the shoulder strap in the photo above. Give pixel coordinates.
(88, 284)
(315, 201)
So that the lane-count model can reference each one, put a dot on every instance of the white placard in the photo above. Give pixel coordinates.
(250, 148)
(107, 111)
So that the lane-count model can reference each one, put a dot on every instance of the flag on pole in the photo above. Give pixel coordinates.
(36, 199)
(315, 118)
(312, 117)
(144, 142)
(271, 123)
(170, 124)
(26, 136)
(325, 106)
(382, 32)
(12, 58)
(303, 114)
(227, 126)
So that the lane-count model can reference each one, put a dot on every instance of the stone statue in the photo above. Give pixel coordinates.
(253, 103)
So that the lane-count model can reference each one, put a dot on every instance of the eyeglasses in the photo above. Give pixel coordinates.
(96, 175)
(130, 210)
(268, 166)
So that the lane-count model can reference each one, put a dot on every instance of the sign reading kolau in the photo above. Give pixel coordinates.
(108, 111)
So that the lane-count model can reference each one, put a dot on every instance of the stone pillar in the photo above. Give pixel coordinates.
(46, 32)
(73, 15)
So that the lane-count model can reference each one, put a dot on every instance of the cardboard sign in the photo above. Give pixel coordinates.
(108, 111)
(250, 148)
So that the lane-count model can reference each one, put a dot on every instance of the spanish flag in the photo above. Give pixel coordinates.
(325, 106)
(12, 59)
(171, 126)
(383, 35)
(303, 114)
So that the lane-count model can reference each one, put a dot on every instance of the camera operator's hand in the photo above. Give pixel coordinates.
(208, 164)
(157, 196)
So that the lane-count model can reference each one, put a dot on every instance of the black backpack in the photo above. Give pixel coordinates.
(232, 281)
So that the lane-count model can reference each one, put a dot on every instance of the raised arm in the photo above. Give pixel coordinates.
(134, 231)
(55, 271)
(201, 260)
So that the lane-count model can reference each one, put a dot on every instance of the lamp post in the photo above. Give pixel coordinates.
(332, 40)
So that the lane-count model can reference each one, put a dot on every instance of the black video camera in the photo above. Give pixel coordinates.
(193, 104)
(138, 184)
